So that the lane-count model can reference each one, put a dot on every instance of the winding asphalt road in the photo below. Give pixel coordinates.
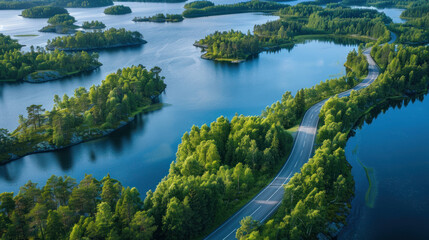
(268, 200)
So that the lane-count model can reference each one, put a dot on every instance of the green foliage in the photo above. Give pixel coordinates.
(198, 4)
(43, 12)
(416, 29)
(8, 44)
(416, 11)
(251, 6)
(363, 22)
(247, 225)
(98, 39)
(60, 23)
(215, 166)
(62, 19)
(160, 17)
(81, 213)
(93, 25)
(16, 65)
(232, 44)
(357, 63)
(117, 10)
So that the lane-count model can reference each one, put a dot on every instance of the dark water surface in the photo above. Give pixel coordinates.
(393, 148)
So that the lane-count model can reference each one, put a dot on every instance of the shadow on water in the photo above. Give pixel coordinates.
(367, 191)
(382, 108)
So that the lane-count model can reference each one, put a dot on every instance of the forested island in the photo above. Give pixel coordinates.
(43, 12)
(111, 38)
(39, 65)
(61, 23)
(86, 115)
(93, 25)
(296, 23)
(117, 10)
(160, 17)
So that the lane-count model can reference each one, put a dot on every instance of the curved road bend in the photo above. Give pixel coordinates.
(269, 199)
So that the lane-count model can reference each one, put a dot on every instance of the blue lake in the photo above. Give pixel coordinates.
(393, 149)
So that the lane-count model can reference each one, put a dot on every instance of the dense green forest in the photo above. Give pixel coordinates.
(17, 65)
(88, 114)
(296, 22)
(61, 23)
(251, 6)
(8, 44)
(93, 25)
(96, 40)
(63, 209)
(416, 29)
(320, 193)
(117, 10)
(43, 12)
(160, 17)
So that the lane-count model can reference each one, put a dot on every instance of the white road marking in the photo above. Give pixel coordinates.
(230, 233)
(255, 210)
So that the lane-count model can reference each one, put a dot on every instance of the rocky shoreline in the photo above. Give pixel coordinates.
(46, 76)
(52, 48)
(43, 147)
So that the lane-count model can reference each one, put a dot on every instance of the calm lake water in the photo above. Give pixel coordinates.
(393, 150)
